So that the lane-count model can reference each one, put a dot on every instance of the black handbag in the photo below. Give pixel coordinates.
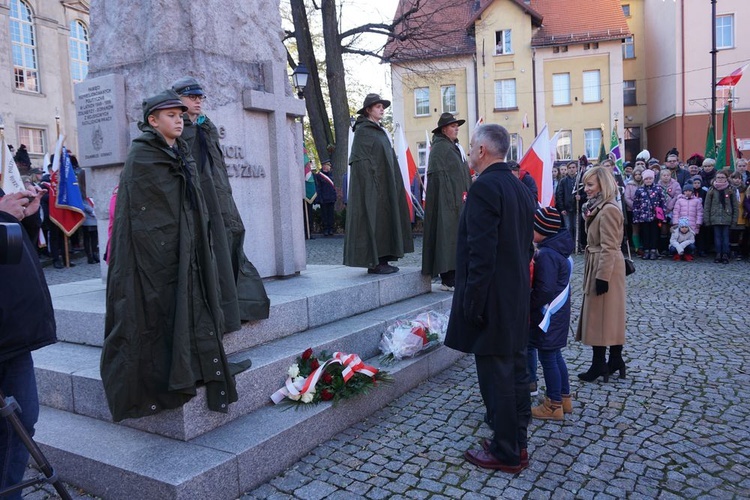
(629, 264)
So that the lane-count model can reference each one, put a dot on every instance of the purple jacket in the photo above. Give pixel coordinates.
(671, 192)
(630, 189)
(692, 209)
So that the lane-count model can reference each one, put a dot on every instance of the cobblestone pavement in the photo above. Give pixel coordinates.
(677, 427)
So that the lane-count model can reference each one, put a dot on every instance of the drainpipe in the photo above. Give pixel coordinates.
(533, 88)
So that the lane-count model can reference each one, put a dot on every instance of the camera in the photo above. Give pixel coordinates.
(11, 243)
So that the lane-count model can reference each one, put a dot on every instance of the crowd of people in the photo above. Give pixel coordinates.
(673, 210)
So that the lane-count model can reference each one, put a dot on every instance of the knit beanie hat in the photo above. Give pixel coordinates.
(683, 222)
(687, 187)
(648, 174)
(547, 221)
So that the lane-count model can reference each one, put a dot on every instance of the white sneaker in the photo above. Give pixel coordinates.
(447, 288)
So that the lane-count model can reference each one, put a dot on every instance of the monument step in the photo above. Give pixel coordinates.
(118, 462)
(68, 374)
(317, 296)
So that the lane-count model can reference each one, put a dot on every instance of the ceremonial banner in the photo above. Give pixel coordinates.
(11, 177)
(65, 201)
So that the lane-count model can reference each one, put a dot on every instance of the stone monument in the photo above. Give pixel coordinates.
(138, 49)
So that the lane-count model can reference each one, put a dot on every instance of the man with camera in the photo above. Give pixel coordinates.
(27, 322)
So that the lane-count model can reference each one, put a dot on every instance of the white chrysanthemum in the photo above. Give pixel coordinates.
(293, 370)
(308, 397)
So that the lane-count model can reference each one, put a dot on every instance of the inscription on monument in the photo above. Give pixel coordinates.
(100, 113)
(236, 167)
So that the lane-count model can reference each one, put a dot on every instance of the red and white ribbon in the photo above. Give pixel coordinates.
(352, 364)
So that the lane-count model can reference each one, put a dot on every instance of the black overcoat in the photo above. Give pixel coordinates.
(494, 248)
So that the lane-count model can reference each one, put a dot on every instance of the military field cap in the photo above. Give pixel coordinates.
(166, 99)
(187, 85)
(371, 100)
(447, 119)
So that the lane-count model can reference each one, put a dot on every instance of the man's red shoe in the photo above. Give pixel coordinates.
(486, 460)
(524, 452)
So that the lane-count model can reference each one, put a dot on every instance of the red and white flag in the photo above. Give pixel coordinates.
(733, 78)
(538, 162)
(426, 163)
(407, 165)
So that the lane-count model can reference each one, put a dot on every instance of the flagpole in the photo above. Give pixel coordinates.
(66, 243)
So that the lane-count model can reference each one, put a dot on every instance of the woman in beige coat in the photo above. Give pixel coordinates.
(602, 320)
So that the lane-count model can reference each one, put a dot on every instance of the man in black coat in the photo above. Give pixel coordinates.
(27, 322)
(490, 312)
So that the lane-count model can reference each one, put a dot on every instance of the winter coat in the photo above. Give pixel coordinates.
(377, 216)
(680, 175)
(680, 240)
(717, 214)
(707, 178)
(552, 271)
(164, 321)
(324, 187)
(630, 189)
(564, 198)
(493, 253)
(243, 295)
(602, 320)
(27, 320)
(530, 183)
(692, 209)
(448, 180)
(671, 192)
(88, 209)
(645, 201)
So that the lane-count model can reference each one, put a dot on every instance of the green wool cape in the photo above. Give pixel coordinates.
(243, 294)
(448, 181)
(164, 321)
(377, 215)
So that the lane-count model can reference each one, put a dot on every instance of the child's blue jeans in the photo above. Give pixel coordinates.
(721, 239)
(555, 374)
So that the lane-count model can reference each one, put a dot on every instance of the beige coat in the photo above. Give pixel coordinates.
(602, 321)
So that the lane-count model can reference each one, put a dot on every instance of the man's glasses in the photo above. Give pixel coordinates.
(194, 98)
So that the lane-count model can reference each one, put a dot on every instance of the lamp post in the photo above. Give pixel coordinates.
(299, 79)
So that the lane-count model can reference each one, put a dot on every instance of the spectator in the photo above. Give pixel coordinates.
(719, 212)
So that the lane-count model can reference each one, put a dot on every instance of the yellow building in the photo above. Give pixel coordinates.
(533, 62)
(45, 50)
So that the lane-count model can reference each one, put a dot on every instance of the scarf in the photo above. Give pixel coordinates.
(721, 185)
(591, 204)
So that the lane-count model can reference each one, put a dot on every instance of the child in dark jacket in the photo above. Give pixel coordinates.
(550, 310)
(326, 196)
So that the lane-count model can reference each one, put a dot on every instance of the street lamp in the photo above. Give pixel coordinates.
(299, 79)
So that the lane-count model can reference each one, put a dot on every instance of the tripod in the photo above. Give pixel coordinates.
(8, 409)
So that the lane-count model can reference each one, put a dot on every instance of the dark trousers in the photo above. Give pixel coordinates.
(56, 242)
(504, 384)
(650, 235)
(17, 379)
(91, 241)
(721, 239)
(326, 212)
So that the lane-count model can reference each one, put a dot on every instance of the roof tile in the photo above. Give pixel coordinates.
(579, 21)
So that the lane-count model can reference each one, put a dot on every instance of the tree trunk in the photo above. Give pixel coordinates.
(337, 91)
(320, 123)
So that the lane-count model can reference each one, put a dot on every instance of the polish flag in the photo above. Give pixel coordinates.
(733, 78)
(538, 162)
(407, 165)
(427, 163)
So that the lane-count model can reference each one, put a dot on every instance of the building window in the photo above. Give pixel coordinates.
(592, 91)
(422, 155)
(725, 32)
(505, 94)
(422, 101)
(626, 10)
(564, 149)
(628, 93)
(514, 152)
(33, 138)
(560, 89)
(503, 42)
(593, 141)
(79, 51)
(628, 48)
(23, 46)
(448, 98)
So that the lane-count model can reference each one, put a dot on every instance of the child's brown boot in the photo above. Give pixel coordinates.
(567, 403)
(549, 410)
